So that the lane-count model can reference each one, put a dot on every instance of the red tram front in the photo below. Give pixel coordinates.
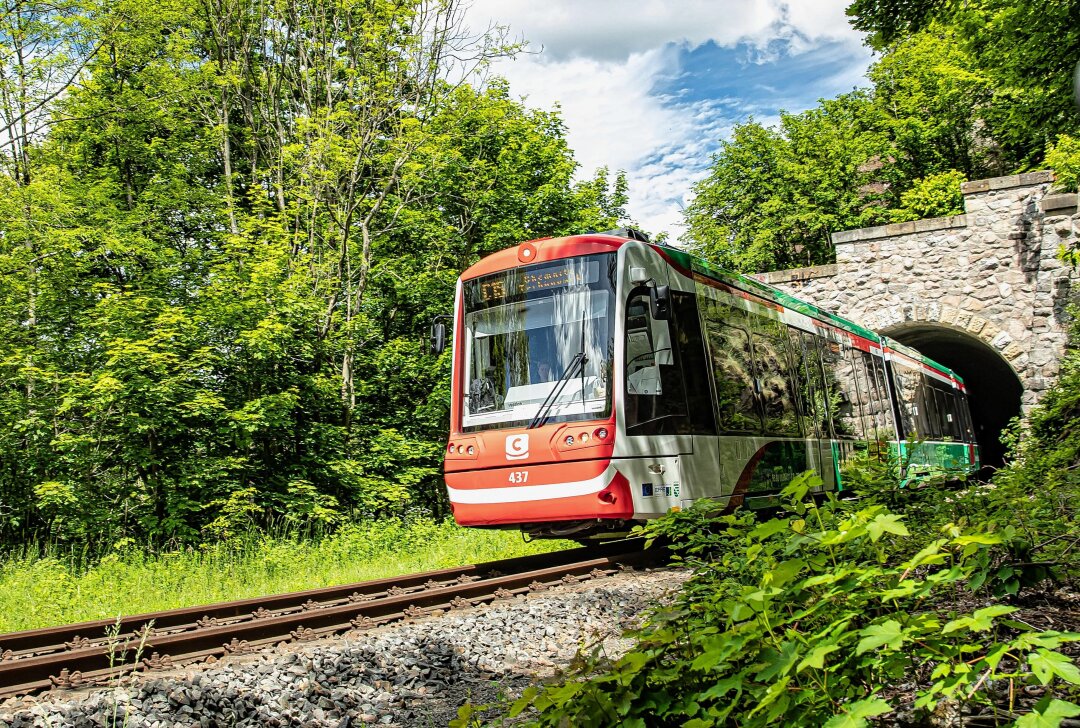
(533, 416)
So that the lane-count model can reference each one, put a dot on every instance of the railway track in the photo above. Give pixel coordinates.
(95, 653)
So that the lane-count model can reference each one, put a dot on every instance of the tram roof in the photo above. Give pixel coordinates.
(549, 249)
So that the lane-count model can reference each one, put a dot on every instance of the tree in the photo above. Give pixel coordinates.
(887, 21)
(237, 225)
(773, 196)
(928, 96)
(1024, 54)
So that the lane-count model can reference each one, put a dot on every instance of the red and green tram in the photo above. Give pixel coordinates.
(600, 379)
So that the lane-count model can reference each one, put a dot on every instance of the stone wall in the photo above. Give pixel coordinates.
(991, 273)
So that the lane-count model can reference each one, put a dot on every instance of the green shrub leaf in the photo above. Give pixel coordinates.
(888, 634)
(886, 523)
(856, 714)
(1046, 664)
(1050, 716)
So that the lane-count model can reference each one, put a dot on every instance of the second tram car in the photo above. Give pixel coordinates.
(600, 379)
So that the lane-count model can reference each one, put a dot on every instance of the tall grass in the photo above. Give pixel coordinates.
(41, 587)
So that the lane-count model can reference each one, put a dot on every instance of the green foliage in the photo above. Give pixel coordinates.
(1063, 156)
(1025, 51)
(773, 196)
(807, 619)
(935, 196)
(885, 21)
(223, 247)
(927, 92)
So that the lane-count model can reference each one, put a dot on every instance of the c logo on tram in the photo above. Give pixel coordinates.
(517, 447)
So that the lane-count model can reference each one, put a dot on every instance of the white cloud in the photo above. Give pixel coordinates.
(601, 60)
(613, 122)
(616, 29)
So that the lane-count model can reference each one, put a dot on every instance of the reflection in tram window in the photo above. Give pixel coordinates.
(775, 379)
(733, 368)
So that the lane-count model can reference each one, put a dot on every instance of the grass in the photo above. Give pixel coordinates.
(46, 587)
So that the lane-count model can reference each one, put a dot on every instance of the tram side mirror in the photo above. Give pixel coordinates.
(438, 337)
(660, 302)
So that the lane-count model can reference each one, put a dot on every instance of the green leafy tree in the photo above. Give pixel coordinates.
(233, 231)
(927, 98)
(1024, 51)
(774, 196)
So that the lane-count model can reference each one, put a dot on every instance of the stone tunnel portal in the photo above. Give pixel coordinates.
(994, 390)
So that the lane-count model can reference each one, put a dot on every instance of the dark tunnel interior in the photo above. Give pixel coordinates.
(994, 390)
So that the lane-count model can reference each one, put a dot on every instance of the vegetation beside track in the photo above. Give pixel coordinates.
(50, 586)
(904, 607)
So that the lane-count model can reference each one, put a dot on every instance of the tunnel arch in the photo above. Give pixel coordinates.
(994, 389)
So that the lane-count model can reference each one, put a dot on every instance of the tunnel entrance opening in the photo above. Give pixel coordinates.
(994, 390)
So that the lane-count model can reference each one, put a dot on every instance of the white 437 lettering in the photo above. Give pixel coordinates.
(519, 476)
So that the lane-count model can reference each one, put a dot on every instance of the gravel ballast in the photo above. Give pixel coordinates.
(405, 674)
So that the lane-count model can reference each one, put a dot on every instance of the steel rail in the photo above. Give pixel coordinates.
(80, 654)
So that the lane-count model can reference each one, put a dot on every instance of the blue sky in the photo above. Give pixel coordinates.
(670, 79)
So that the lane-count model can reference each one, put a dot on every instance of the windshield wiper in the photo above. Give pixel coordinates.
(543, 413)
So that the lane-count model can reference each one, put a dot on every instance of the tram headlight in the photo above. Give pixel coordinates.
(602, 433)
(450, 448)
(569, 440)
(471, 450)
(584, 437)
(460, 450)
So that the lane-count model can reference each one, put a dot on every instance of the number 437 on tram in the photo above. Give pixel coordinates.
(601, 380)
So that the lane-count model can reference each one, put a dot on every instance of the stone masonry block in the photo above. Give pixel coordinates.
(1036, 178)
(1012, 351)
(975, 186)
(899, 228)
(940, 223)
(1058, 204)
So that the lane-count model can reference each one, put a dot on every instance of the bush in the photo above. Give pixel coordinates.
(936, 195)
(1063, 157)
(809, 619)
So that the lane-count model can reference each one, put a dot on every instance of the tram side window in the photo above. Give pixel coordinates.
(956, 427)
(774, 379)
(654, 387)
(732, 367)
(814, 392)
(907, 389)
(951, 425)
(798, 370)
(877, 402)
(943, 411)
(689, 345)
(965, 412)
(861, 396)
(926, 413)
(840, 390)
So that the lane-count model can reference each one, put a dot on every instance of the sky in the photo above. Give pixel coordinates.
(653, 87)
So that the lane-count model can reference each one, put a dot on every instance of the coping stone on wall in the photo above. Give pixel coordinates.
(1003, 183)
(793, 275)
(898, 228)
(1057, 203)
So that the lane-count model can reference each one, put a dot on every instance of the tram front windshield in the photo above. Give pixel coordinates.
(539, 338)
